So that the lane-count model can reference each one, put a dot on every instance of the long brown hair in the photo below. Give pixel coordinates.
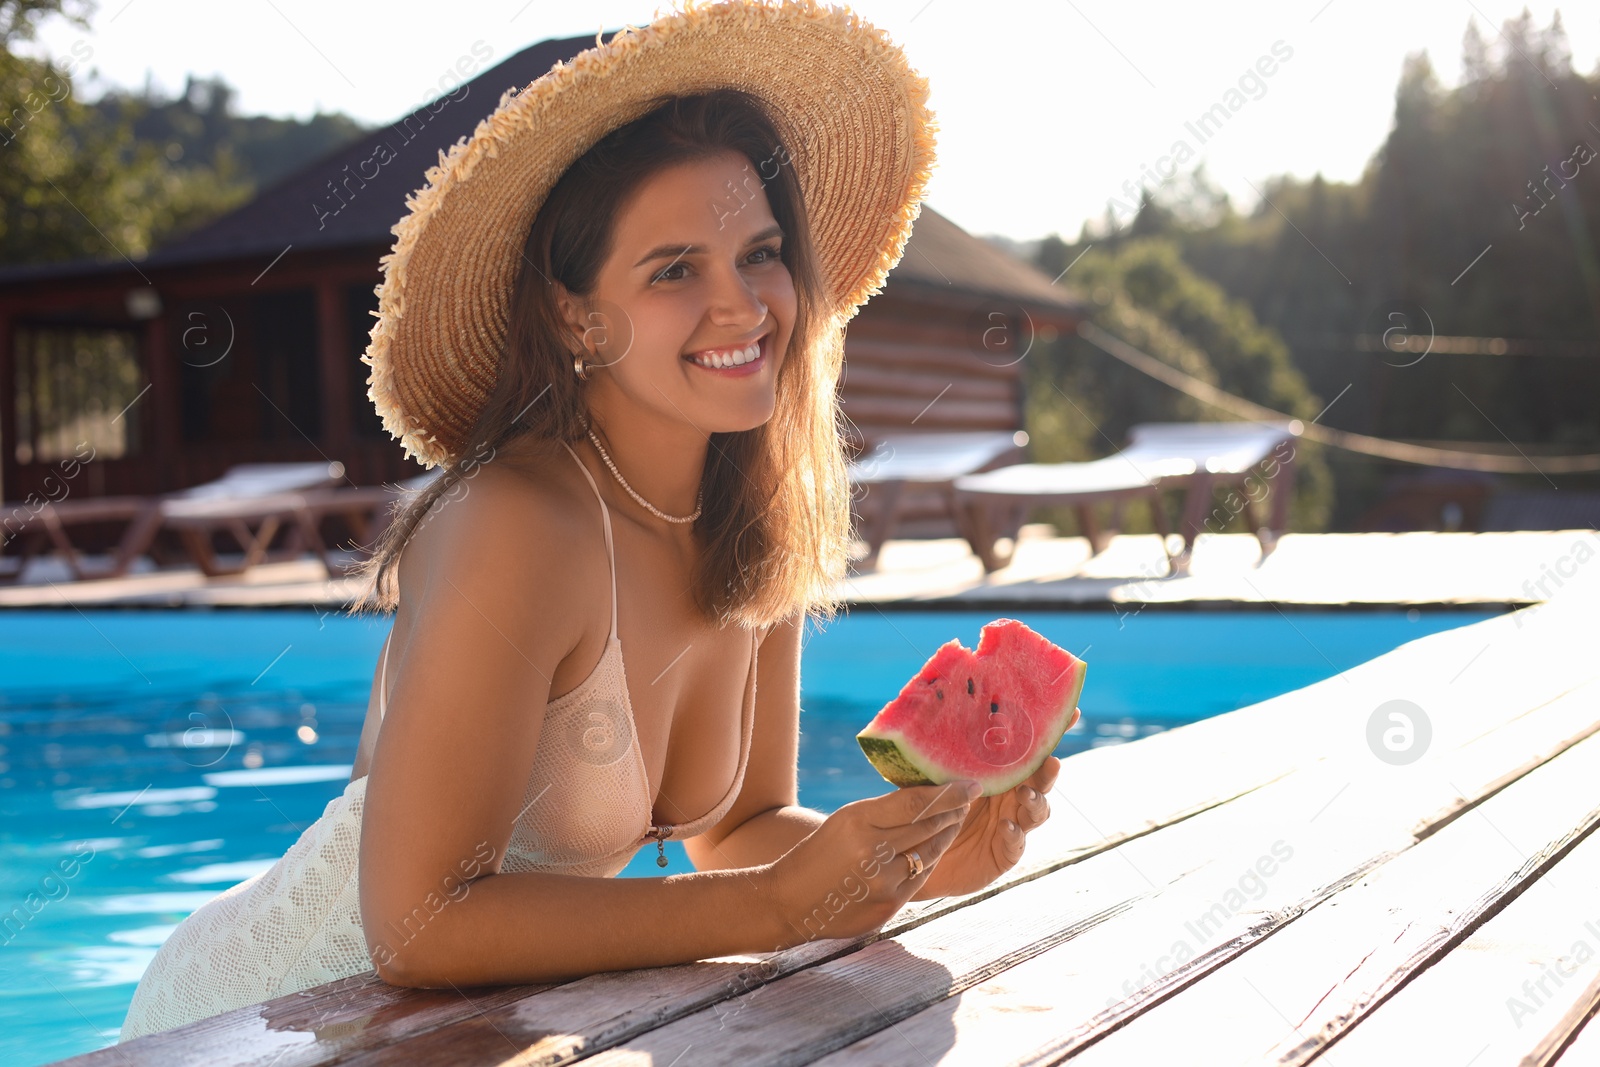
(776, 518)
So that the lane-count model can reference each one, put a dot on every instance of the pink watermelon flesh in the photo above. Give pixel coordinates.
(993, 714)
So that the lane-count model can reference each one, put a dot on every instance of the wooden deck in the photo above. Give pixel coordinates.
(1258, 887)
(1047, 571)
(1312, 569)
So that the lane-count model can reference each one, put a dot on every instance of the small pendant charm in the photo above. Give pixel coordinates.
(660, 834)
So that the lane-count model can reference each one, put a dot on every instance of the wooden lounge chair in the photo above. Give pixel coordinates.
(248, 492)
(1198, 457)
(894, 461)
(1227, 455)
(366, 510)
(33, 524)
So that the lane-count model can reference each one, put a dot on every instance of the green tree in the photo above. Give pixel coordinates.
(19, 19)
(200, 127)
(1478, 217)
(73, 183)
(1081, 401)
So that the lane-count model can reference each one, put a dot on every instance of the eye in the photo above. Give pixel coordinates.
(771, 253)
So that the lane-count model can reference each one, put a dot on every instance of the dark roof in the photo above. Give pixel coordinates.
(941, 254)
(69, 268)
(302, 208)
(302, 211)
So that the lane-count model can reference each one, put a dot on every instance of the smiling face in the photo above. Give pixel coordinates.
(693, 310)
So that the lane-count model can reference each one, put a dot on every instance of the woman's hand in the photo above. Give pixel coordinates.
(850, 875)
(992, 837)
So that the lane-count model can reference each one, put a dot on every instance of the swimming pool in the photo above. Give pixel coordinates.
(151, 759)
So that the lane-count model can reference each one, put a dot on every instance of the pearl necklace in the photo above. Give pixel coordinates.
(651, 508)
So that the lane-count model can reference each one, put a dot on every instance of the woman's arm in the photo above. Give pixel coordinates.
(532, 927)
(498, 604)
(759, 840)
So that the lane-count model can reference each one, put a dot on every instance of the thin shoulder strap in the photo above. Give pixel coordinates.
(605, 515)
(383, 674)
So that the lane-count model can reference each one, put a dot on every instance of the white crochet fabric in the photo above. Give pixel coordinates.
(586, 810)
(294, 925)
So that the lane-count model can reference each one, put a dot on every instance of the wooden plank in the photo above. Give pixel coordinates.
(10, 489)
(932, 411)
(931, 358)
(869, 428)
(919, 322)
(1178, 869)
(604, 1010)
(1490, 671)
(1299, 991)
(1584, 1051)
(864, 378)
(1510, 995)
(1112, 972)
(1061, 1000)
(333, 366)
(314, 1026)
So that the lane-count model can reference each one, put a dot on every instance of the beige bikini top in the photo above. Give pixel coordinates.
(588, 805)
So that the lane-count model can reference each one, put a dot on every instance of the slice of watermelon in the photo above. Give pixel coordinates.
(994, 714)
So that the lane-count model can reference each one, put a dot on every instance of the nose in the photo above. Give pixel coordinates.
(735, 303)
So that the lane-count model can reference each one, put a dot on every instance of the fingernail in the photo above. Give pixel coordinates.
(1026, 792)
(1010, 826)
(974, 788)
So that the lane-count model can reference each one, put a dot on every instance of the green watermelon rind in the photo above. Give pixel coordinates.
(901, 767)
(894, 762)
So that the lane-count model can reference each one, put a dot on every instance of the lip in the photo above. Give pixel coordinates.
(744, 370)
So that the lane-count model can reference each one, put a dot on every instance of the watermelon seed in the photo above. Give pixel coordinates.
(969, 687)
(994, 706)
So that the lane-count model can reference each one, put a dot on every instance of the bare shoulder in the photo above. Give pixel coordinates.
(523, 514)
(514, 536)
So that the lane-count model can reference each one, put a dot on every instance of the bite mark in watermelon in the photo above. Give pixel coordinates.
(993, 714)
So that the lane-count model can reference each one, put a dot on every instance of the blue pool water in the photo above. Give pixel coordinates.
(150, 760)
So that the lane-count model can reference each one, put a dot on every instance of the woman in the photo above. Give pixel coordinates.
(626, 366)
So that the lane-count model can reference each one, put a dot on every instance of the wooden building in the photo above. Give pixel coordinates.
(240, 341)
(943, 347)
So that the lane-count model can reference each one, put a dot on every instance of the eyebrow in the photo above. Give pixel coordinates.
(689, 250)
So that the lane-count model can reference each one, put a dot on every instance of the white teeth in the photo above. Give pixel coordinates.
(730, 359)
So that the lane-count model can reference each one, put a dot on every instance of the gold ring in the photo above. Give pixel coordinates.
(915, 861)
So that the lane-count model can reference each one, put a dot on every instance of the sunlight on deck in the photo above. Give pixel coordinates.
(1339, 568)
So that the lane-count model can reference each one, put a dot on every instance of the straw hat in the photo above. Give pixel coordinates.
(849, 109)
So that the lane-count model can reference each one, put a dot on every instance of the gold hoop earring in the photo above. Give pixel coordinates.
(579, 367)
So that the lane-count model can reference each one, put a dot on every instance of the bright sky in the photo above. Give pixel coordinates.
(1046, 108)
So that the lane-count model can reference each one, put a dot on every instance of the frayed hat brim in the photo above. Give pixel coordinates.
(851, 113)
